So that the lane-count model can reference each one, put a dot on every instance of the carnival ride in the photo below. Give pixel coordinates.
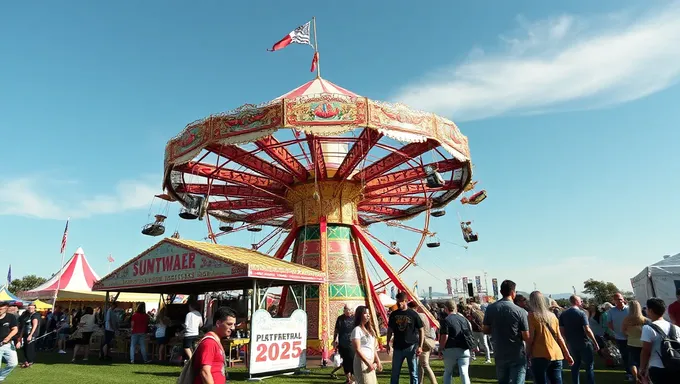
(322, 166)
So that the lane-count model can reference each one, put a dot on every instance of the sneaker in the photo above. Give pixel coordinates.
(629, 378)
(488, 362)
(62, 352)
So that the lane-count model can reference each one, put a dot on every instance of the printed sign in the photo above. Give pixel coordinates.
(449, 289)
(278, 344)
(170, 264)
(478, 283)
(465, 282)
(494, 284)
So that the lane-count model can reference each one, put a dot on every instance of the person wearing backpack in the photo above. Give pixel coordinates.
(660, 357)
(455, 342)
(207, 363)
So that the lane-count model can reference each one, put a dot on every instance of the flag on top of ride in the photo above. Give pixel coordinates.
(300, 35)
(110, 259)
(9, 275)
(64, 238)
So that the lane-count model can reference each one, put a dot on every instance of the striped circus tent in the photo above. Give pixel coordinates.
(75, 276)
(6, 295)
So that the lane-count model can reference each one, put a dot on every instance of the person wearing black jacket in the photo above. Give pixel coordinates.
(342, 343)
(30, 327)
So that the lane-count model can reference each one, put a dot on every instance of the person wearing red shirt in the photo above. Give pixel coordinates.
(208, 359)
(139, 324)
(674, 309)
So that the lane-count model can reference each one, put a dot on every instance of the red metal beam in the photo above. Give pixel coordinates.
(397, 200)
(411, 189)
(382, 210)
(247, 159)
(316, 152)
(229, 175)
(280, 154)
(287, 242)
(266, 214)
(391, 273)
(408, 175)
(368, 138)
(242, 204)
(226, 190)
(394, 160)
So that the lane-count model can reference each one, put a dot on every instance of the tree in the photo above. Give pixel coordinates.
(25, 283)
(564, 303)
(602, 291)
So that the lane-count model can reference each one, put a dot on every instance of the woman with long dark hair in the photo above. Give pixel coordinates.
(366, 360)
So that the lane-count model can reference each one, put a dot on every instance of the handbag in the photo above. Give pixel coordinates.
(429, 345)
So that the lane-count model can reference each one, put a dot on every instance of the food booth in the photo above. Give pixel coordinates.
(178, 266)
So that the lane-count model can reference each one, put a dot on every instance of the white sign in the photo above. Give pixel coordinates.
(278, 344)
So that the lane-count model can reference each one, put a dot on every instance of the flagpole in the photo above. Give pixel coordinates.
(61, 272)
(316, 50)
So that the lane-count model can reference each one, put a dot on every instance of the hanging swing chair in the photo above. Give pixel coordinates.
(438, 213)
(156, 228)
(226, 227)
(433, 242)
(467, 232)
(394, 250)
(432, 178)
(255, 228)
(175, 235)
(475, 199)
(193, 209)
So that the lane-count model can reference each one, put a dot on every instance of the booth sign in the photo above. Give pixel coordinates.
(277, 344)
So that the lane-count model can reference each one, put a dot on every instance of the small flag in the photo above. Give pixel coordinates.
(64, 238)
(415, 287)
(300, 35)
(315, 61)
(110, 259)
(9, 275)
(392, 293)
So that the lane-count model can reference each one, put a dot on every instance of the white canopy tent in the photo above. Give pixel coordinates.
(660, 280)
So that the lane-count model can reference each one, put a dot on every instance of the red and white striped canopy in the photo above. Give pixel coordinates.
(76, 275)
(316, 87)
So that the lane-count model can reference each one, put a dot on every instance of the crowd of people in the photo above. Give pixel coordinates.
(529, 337)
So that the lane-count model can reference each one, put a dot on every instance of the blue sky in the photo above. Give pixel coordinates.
(571, 111)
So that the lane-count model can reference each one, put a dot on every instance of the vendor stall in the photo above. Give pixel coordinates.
(192, 267)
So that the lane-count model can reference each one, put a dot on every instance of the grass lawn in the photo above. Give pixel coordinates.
(58, 367)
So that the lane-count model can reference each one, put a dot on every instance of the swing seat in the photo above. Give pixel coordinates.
(433, 244)
(439, 213)
(189, 213)
(393, 251)
(469, 238)
(153, 229)
(226, 227)
(432, 178)
(193, 209)
(256, 228)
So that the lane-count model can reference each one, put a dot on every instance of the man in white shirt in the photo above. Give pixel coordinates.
(192, 324)
(651, 366)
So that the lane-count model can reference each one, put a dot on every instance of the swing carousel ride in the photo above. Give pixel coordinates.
(321, 167)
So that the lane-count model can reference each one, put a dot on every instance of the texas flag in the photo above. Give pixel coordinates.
(299, 36)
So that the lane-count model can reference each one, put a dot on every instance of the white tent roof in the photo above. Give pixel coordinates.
(660, 279)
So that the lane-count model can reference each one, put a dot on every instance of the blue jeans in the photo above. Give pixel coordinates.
(459, 357)
(546, 371)
(138, 338)
(398, 356)
(9, 355)
(511, 371)
(583, 355)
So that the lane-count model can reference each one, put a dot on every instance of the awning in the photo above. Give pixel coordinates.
(95, 296)
(187, 266)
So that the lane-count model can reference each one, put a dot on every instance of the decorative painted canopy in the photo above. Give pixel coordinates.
(186, 266)
(321, 108)
(265, 164)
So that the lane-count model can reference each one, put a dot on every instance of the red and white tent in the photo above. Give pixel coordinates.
(74, 282)
(317, 86)
(76, 275)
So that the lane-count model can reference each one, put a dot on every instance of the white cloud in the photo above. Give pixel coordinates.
(36, 197)
(566, 62)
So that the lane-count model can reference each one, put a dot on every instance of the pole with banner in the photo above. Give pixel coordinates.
(449, 289)
(494, 285)
(64, 240)
(430, 292)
